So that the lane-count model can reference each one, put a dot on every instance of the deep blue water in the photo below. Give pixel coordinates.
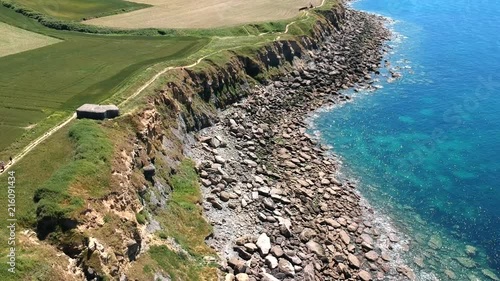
(426, 147)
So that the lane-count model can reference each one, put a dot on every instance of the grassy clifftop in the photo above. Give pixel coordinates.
(85, 195)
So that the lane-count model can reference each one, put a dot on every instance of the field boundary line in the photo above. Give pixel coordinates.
(53, 130)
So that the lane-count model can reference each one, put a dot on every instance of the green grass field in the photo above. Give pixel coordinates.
(78, 9)
(80, 69)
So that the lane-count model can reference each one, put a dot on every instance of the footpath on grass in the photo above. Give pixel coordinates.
(26, 150)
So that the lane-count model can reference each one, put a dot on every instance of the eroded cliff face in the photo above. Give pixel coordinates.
(198, 94)
(112, 234)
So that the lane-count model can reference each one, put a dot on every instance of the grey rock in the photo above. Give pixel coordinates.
(149, 171)
(215, 142)
(339, 257)
(371, 256)
(250, 247)
(345, 237)
(264, 243)
(250, 163)
(268, 277)
(225, 196)
(309, 272)
(285, 227)
(264, 190)
(243, 253)
(353, 260)
(269, 204)
(271, 261)
(216, 205)
(277, 251)
(364, 275)
(237, 264)
(220, 159)
(332, 222)
(286, 267)
(316, 248)
(242, 277)
(307, 234)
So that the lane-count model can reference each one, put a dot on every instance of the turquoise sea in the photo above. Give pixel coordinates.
(425, 148)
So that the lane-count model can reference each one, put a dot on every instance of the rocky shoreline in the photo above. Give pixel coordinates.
(271, 191)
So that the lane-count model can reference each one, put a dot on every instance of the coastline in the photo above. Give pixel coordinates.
(271, 191)
(433, 253)
(285, 150)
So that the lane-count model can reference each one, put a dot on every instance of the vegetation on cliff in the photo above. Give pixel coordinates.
(86, 185)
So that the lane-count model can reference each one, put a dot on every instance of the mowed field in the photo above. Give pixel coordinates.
(80, 69)
(78, 9)
(203, 14)
(15, 40)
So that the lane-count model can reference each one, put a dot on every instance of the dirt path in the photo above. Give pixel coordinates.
(49, 133)
(36, 142)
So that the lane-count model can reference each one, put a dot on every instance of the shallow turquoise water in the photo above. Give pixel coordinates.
(426, 148)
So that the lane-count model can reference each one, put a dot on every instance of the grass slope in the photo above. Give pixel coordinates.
(76, 158)
(78, 9)
(89, 170)
(16, 40)
(31, 173)
(80, 69)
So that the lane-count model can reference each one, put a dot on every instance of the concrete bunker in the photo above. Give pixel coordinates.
(97, 112)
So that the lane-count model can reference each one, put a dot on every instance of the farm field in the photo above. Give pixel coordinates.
(213, 13)
(78, 9)
(16, 40)
(81, 69)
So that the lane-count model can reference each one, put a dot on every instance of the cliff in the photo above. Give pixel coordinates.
(153, 214)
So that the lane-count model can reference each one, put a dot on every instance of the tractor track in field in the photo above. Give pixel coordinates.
(27, 149)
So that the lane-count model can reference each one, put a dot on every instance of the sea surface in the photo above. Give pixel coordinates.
(425, 148)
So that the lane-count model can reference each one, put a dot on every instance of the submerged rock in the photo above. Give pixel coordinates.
(488, 273)
(419, 261)
(450, 274)
(470, 250)
(435, 242)
(466, 262)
